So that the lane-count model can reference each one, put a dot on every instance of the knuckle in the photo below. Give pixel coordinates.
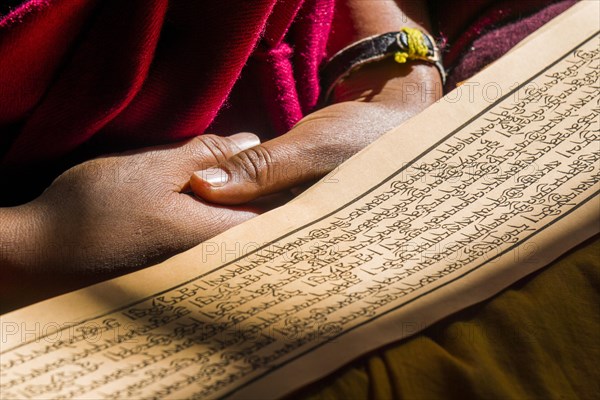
(256, 165)
(216, 146)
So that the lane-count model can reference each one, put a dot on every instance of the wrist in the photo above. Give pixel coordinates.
(414, 85)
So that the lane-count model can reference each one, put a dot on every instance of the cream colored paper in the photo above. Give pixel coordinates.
(489, 184)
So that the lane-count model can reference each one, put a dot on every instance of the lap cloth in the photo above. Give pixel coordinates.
(538, 339)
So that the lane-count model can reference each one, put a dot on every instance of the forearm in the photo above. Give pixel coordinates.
(340, 130)
(380, 97)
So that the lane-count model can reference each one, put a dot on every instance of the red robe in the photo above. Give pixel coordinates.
(83, 77)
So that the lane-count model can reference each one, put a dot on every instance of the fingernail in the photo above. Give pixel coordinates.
(213, 176)
(245, 140)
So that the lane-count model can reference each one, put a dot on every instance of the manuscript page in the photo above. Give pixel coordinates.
(491, 183)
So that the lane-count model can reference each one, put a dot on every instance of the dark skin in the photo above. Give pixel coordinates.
(121, 212)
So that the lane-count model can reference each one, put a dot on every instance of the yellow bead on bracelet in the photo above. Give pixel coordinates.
(417, 49)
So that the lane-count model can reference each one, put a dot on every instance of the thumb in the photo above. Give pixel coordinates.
(207, 150)
(268, 168)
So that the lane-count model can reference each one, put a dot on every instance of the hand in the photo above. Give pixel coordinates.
(377, 98)
(372, 100)
(117, 213)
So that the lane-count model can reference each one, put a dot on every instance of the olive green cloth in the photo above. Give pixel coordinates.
(540, 338)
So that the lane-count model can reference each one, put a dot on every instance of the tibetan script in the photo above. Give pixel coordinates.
(478, 201)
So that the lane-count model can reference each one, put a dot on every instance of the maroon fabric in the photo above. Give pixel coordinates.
(272, 103)
(495, 43)
(78, 78)
(458, 24)
(106, 88)
(141, 72)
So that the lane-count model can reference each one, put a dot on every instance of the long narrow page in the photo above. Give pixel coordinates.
(491, 183)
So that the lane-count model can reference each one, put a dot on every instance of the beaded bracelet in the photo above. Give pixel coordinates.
(408, 44)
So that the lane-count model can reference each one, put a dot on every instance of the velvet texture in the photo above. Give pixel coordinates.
(79, 78)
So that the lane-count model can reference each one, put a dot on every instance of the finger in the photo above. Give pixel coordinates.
(208, 150)
(279, 164)
(201, 221)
